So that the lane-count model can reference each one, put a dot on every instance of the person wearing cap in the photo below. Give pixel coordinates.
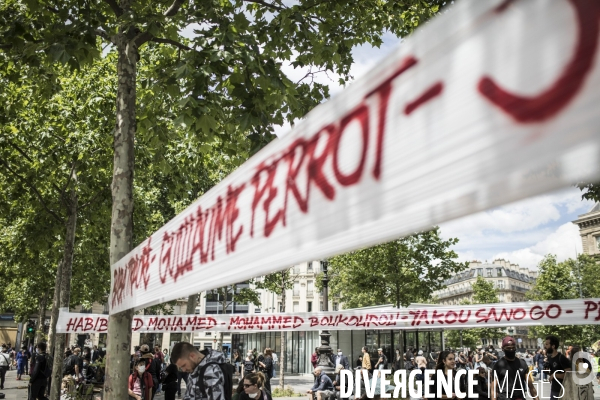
(509, 375)
(341, 359)
(381, 360)
(153, 366)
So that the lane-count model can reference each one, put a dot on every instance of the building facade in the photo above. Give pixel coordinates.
(511, 281)
(589, 230)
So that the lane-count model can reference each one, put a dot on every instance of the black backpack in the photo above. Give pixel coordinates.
(47, 372)
(227, 370)
(69, 365)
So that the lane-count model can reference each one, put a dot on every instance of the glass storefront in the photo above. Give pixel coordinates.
(300, 345)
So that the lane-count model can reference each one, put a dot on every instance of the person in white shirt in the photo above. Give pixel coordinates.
(275, 362)
(4, 364)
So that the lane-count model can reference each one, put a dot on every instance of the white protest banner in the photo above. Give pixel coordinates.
(561, 312)
(491, 102)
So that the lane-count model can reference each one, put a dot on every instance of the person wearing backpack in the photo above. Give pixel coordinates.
(211, 376)
(42, 370)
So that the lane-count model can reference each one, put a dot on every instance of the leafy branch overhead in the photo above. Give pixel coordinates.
(226, 57)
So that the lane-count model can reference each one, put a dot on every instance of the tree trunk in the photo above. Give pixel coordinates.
(39, 332)
(55, 308)
(190, 309)
(65, 287)
(283, 344)
(121, 232)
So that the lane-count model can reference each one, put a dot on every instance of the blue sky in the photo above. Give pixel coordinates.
(522, 232)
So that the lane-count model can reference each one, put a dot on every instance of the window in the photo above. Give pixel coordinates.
(479, 271)
(309, 306)
(489, 272)
(309, 267)
(499, 271)
(597, 242)
(296, 306)
(296, 289)
(296, 269)
(280, 307)
(321, 307)
(335, 306)
(310, 288)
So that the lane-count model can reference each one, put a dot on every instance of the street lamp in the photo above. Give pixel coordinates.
(325, 350)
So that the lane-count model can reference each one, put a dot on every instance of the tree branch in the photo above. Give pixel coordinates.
(94, 198)
(171, 11)
(102, 34)
(14, 146)
(33, 189)
(173, 42)
(264, 3)
(115, 7)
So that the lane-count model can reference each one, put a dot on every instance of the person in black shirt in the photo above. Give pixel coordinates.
(38, 380)
(557, 363)
(482, 388)
(509, 375)
(169, 382)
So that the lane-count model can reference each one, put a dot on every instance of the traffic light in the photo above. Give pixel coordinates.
(30, 330)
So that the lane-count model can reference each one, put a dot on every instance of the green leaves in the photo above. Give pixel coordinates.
(400, 272)
(569, 279)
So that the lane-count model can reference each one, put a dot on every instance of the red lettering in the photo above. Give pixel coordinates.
(297, 322)
(360, 114)
(314, 321)
(451, 314)
(415, 315)
(437, 317)
(79, 324)
(533, 109)
(536, 313)
(429, 94)
(479, 314)
(553, 307)
(137, 324)
(465, 319)
(89, 324)
(519, 314)
(384, 90)
(286, 322)
(152, 322)
(71, 324)
(591, 306)
(103, 325)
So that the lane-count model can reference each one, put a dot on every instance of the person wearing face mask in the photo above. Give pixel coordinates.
(509, 375)
(140, 382)
(254, 388)
(341, 359)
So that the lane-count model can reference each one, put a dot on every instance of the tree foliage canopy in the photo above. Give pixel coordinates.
(569, 279)
(400, 272)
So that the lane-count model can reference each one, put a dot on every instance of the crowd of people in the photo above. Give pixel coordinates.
(493, 368)
(208, 374)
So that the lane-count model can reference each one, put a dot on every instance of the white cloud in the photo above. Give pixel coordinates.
(564, 243)
(521, 216)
